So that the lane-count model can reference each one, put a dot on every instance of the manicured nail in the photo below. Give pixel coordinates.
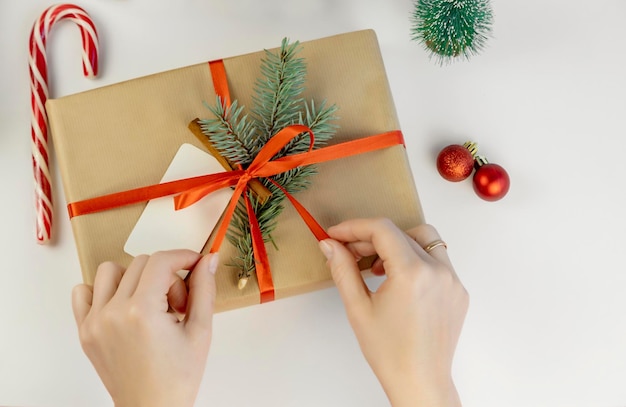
(214, 262)
(327, 249)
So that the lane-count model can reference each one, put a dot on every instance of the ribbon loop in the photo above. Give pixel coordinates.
(274, 145)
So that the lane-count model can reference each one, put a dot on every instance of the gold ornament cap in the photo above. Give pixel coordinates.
(479, 161)
(472, 147)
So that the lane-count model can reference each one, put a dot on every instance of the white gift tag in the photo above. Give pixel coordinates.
(161, 227)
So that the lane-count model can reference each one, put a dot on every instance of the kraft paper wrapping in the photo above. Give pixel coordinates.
(125, 135)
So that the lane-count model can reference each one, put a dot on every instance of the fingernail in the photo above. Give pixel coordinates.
(327, 249)
(213, 263)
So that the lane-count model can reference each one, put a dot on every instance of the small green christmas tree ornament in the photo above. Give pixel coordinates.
(452, 28)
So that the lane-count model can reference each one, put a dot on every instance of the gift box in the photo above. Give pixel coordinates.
(124, 136)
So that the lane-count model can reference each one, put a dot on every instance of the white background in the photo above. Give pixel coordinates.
(544, 266)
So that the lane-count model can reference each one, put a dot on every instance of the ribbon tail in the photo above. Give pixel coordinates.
(140, 195)
(220, 81)
(191, 196)
(343, 150)
(261, 261)
(317, 230)
(228, 215)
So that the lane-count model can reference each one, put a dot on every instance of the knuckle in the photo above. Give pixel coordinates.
(142, 257)
(105, 265)
(135, 313)
(158, 255)
(424, 232)
(108, 318)
(339, 272)
(88, 334)
(384, 222)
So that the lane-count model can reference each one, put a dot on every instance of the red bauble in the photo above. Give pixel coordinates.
(455, 162)
(491, 181)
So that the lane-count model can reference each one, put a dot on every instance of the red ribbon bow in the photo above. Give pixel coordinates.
(261, 166)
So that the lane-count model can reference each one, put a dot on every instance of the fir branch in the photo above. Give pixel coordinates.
(277, 102)
(230, 133)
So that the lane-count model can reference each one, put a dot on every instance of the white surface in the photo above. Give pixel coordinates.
(544, 267)
(162, 227)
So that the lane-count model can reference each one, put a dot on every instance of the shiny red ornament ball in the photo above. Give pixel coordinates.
(491, 181)
(455, 163)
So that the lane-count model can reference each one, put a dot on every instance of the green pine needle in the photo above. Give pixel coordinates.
(277, 104)
(452, 28)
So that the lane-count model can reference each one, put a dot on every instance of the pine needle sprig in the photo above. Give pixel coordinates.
(232, 134)
(239, 232)
(277, 98)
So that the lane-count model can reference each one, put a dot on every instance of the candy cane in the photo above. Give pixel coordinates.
(39, 95)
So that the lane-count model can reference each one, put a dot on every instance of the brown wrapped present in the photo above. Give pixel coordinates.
(124, 136)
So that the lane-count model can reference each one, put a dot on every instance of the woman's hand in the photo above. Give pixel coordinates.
(144, 354)
(408, 329)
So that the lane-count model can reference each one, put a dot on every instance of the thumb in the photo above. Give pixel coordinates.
(82, 296)
(201, 299)
(346, 274)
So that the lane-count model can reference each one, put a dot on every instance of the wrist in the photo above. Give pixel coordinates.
(428, 391)
(156, 393)
(159, 402)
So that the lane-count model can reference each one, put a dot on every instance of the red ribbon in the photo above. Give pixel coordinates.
(190, 190)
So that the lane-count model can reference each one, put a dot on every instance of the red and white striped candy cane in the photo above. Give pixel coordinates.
(39, 95)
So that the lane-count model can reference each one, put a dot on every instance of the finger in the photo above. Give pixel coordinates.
(378, 269)
(360, 249)
(108, 276)
(160, 271)
(418, 248)
(81, 302)
(131, 276)
(201, 300)
(346, 274)
(426, 234)
(177, 295)
(390, 243)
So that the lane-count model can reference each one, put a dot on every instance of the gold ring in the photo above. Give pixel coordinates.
(429, 248)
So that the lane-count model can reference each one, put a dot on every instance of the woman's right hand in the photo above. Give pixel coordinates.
(408, 329)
